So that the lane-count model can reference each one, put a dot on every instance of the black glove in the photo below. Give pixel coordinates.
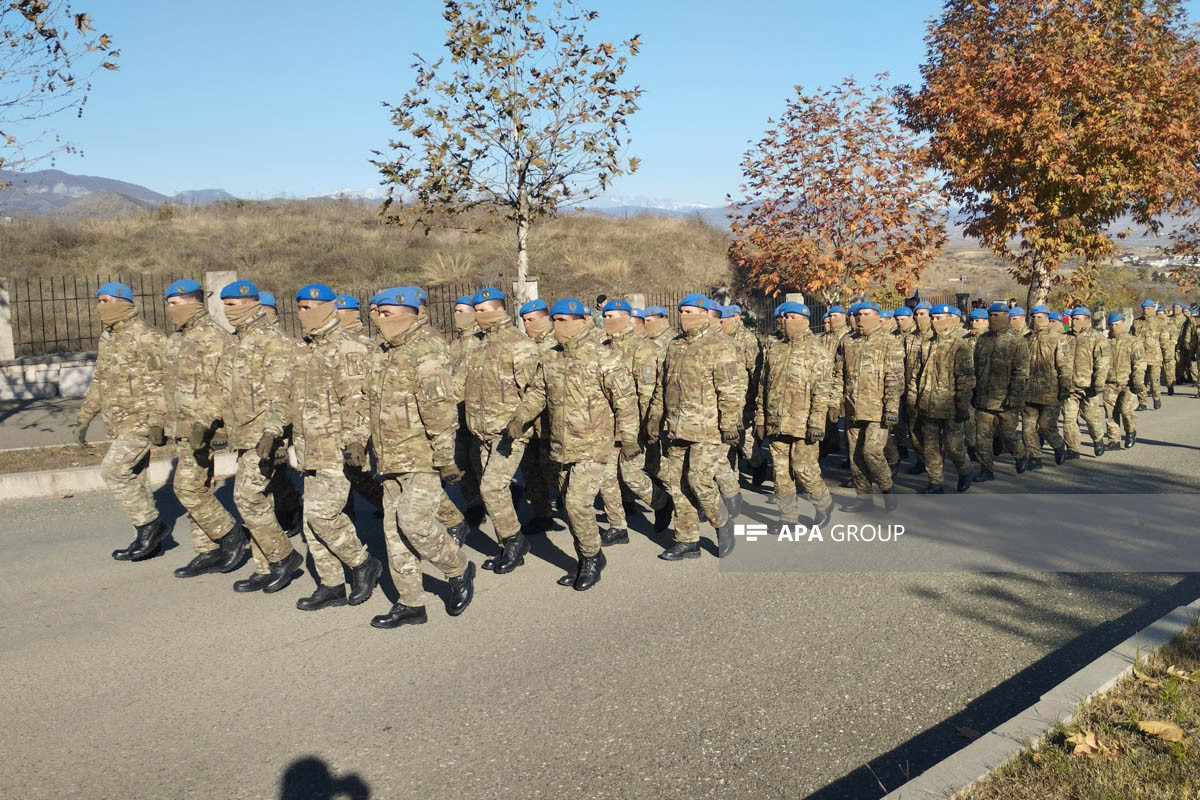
(158, 437)
(514, 429)
(730, 437)
(355, 455)
(653, 427)
(630, 449)
(814, 435)
(890, 420)
(450, 473)
(199, 435)
(267, 446)
(1091, 392)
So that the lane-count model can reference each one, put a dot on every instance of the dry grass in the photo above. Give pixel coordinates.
(1129, 762)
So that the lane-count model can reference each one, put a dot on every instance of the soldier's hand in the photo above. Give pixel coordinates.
(199, 435)
(730, 437)
(514, 429)
(1091, 391)
(962, 414)
(891, 420)
(450, 473)
(630, 449)
(80, 432)
(267, 446)
(355, 455)
(760, 432)
(814, 435)
(158, 437)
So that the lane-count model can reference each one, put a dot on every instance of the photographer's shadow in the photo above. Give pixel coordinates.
(309, 779)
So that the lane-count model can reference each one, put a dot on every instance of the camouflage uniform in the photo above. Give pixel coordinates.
(698, 400)
(642, 362)
(127, 387)
(911, 344)
(971, 338)
(1049, 385)
(360, 478)
(940, 385)
(494, 377)
(1001, 377)
(414, 417)
(1155, 338)
(868, 374)
(1189, 351)
(794, 395)
(539, 470)
(1088, 360)
(829, 340)
(1126, 371)
(590, 402)
(192, 387)
(256, 378)
(751, 352)
(466, 451)
(1174, 328)
(654, 447)
(328, 415)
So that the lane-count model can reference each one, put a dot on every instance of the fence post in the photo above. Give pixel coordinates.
(8, 349)
(793, 297)
(637, 300)
(214, 282)
(531, 289)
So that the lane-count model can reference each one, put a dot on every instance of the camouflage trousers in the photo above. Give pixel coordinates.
(751, 451)
(540, 474)
(581, 484)
(943, 433)
(252, 496)
(126, 472)
(1078, 401)
(1170, 364)
(328, 532)
(193, 485)
(690, 472)
(283, 493)
(987, 425)
(466, 458)
(795, 462)
(632, 473)
(1149, 390)
(1040, 422)
(726, 477)
(497, 470)
(868, 464)
(1121, 406)
(412, 533)
(654, 458)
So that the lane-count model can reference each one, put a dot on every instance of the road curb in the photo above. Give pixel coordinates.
(975, 761)
(55, 482)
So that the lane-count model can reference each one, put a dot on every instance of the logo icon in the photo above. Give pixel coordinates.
(750, 532)
(244, 289)
(341, 302)
(313, 293)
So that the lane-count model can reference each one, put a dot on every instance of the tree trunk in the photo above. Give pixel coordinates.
(522, 251)
(1039, 286)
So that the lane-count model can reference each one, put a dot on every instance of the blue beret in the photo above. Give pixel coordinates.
(977, 313)
(115, 289)
(1016, 311)
(854, 307)
(1148, 304)
(465, 300)
(867, 305)
(835, 310)
(886, 314)
(346, 301)
(637, 313)
(316, 291)
(267, 299)
(924, 304)
(1054, 316)
(617, 304)
(656, 311)
(941, 308)
(185, 286)
(1040, 309)
(694, 299)
(374, 301)
(421, 295)
(537, 304)
(997, 307)
(571, 306)
(1177, 305)
(712, 305)
(483, 295)
(902, 311)
(1116, 316)
(779, 310)
(792, 307)
(239, 289)
(400, 296)
(1079, 311)
(956, 311)
(731, 311)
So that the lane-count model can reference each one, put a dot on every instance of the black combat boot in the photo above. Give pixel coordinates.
(1130, 439)
(149, 542)
(254, 583)
(459, 532)
(916, 469)
(539, 525)
(590, 568)
(573, 573)
(400, 614)
(1034, 463)
(971, 455)
(363, 580)
(515, 548)
(293, 525)
(861, 503)
(1098, 447)
(1022, 464)
(733, 503)
(725, 538)
(1073, 454)
(323, 597)
(935, 488)
(462, 589)
(1140, 407)
(902, 451)
(890, 501)
(964, 481)
(680, 551)
(282, 572)
(202, 564)
(1060, 454)
(475, 515)
(821, 518)
(662, 516)
(984, 476)
(232, 548)
(1157, 403)
(614, 536)
(1170, 390)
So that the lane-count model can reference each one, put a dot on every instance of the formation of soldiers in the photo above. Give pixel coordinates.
(610, 402)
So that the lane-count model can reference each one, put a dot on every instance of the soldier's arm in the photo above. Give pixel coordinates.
(837, 386)
(729, 380)
(1138, 356)
(964, 379)
(893, 377)
(278, 363)
(1062, 368)
(1018, 376)
(91, 398)
(1100, 364)
(209, 377)
(760, 395)
(525, 360)
(822, 397)
(617, 385)
(153, 392)
(913, 370)
(533, 402)
(656, 402)
(436, 404)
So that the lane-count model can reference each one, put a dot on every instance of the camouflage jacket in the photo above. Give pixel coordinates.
(1155, 336)
(1049, 368)
(1001, 371)
(127, 385)
(494, 377)
(192, 379)
(750, 350)
(701, 388)
(911, 344)
(1088, 358)
(587, 396)
(868, 375)
(1189, 338)
(359, 332)
(643, 360)
(796, 388)
(1175, 325)
(663, 340)
(1126, 361)
(328, 397)
(943, 377)
(256, 381)
(410, 393)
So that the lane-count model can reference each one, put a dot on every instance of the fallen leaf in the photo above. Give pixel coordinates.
(1085, 743)
(1167, 731)
(65, 496)
(968, 733)
(1142, 677)
(1178, 673)
(1036, 758)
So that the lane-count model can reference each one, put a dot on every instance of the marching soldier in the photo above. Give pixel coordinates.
(1087, 353)
(922, 331)
(728, 483)
(1049, 386)
(1001, 378)
(539, 470)
(1174, 327)
(1126, 378)
(361, 481)
(940, 387)
(750, 350)
(468, 336)
(1155, 337)
(830, 338)
(658, 327)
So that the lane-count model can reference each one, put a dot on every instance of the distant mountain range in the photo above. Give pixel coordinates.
(51, 191)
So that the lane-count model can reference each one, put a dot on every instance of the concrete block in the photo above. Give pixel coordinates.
(73, 381)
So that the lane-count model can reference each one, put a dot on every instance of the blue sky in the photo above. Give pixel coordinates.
(275, 98)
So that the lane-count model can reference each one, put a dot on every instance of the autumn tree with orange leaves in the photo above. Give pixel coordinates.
(836, 199)
(1052, 119)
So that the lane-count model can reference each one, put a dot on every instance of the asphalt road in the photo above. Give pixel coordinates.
(39, 423)
(666, 680)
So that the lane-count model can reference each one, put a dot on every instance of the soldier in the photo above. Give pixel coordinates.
(539, 470)
(868, 374)
(1126, 378)
(127, 387)
(1189, 350)
(330, 431)
(495, 375)
(830, 338)
(1171, 355)
(1001, 378)
(940, 386)
(414, 415)
(658, 327)
(793, 401)
(905, 324)
(697, 406)
(750, 350)
(728, 483)
(910, 346)
(1155, 339)
(1016, 321)
(287, 500)
(267, 301)
(1049, 385)
(361, 481)
(588, 396)
(637, 320)
(192, 387)
(641, 360)
(466, 450)
(1087, 353)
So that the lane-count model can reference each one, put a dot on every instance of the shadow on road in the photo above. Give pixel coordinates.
(309, 778)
